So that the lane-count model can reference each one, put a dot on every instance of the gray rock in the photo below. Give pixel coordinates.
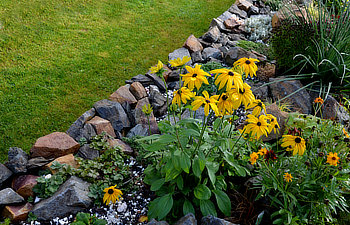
(86, 152)
(332, 109)
(212, 35)
(197, 57)
(300, 101)
(75, 129)
(175, 85)
(259, 91)
(180, 53)
(236, 37)
(226, 15)
(174, 75)
(17, 160)
(70, 198)
(223, 39)
(158, 102)
(138, 130)
(236, 53)
(145, 81)
(37, 162)
(155, 222)
(253, 10)
(5, 173)
(212, 220)
(212, 53)
(87, 132)
(157, 81)
(220, 24)
(204, 43)
(199, 114)
(235, 10)
(224, 49)
(10, 197)
(189, 219)
(113, 112)
(141, 118)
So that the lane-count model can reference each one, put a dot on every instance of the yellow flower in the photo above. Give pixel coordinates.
(287, 177)
(179, 62)
(244, 95)
(258, 106)
(253, 157)
(273, 126)
(229, 78)
(294, 143)
(248, 65)
(111, 194)
(225, 104)
(147, 109)
(319, 100)
(182, 95)
(333, 158)
(155, 69)
(262, 151)
(195, 77)
(208, 103)
(346, 133)
(257, 126)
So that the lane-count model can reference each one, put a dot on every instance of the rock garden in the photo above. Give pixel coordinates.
(246, 124)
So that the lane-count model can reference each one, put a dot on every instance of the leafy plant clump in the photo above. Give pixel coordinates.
(87, 219)
(258, 47)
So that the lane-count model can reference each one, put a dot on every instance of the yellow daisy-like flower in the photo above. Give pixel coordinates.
(209, 102)
(294, 143)
(179, 62)
(257, 126)
(346, 133)
(112, 194)
(155, 69)
(195, 77)
(287, 177)
(248, 65)
(319, 100)
(332, 159)
(253, 157)
(258, 106)
(244, 95)
(273, 126)
(182, 95)
(262, 151)
(227, 77)
(225, 104)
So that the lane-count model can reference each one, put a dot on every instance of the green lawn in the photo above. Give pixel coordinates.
(58, 57)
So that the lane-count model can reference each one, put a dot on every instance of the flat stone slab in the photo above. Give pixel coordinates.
(10, 197)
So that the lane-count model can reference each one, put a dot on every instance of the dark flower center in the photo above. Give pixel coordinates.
(333, 158)
(272, 119)
(194, 75)
(297, 140)
(260, 104)
(247, 62)
(276, 126)
(241, 91)
(224, 97)
(231, 73)
(207, 101)
(179, 92)
(258, 123)
(110, 191)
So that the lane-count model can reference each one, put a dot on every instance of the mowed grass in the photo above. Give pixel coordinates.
(58, 57)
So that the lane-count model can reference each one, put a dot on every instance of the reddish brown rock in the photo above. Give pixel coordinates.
(193, 44)
(123, 95)
(138, 90)
(281, 119)
(102, 125)
(24, 184)
(265, 72)
(17, 213)
(54, 145)
(233, 22)
(141, 118)
(244, 5)
(67, 159)
(121, 144)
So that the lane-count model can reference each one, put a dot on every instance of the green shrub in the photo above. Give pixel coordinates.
(258, 47)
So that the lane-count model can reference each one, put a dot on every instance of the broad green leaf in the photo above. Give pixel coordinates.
(207, 208)
(223, 201)
(180, 182)
(198, 166)
(160, 207)
(212, 168)
(176, 158)
(156, 185)
(83, 217)
(230, 159)
(202, 192)
(170, 171)
(185, 162)
(166, 139)
(187, 208)
(190, 132)
(100, 222)
(216, 123)
(78, 223)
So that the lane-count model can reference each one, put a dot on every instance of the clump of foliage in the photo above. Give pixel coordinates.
(87, 219)
(258, 47)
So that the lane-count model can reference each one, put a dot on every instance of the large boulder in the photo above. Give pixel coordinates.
(10, 197)
(114, 112)
(76, 129)
(70, 198)
(17, 160)
(54, 145)
(192, 44)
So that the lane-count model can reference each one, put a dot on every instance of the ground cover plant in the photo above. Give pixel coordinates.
(59, 57)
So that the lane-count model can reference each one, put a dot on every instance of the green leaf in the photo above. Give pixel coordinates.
(230, 159)
(216, 123)
(100, 222)
(187, 208)
(185, 162)
(212, 168)
(160, 207)
(180, 182)
(84, 217)
(176, 158)
(207, 208)
(156, 185)
(78, 223)
(170, 171)
(202, 192)
(198, 166)
(223, 201)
